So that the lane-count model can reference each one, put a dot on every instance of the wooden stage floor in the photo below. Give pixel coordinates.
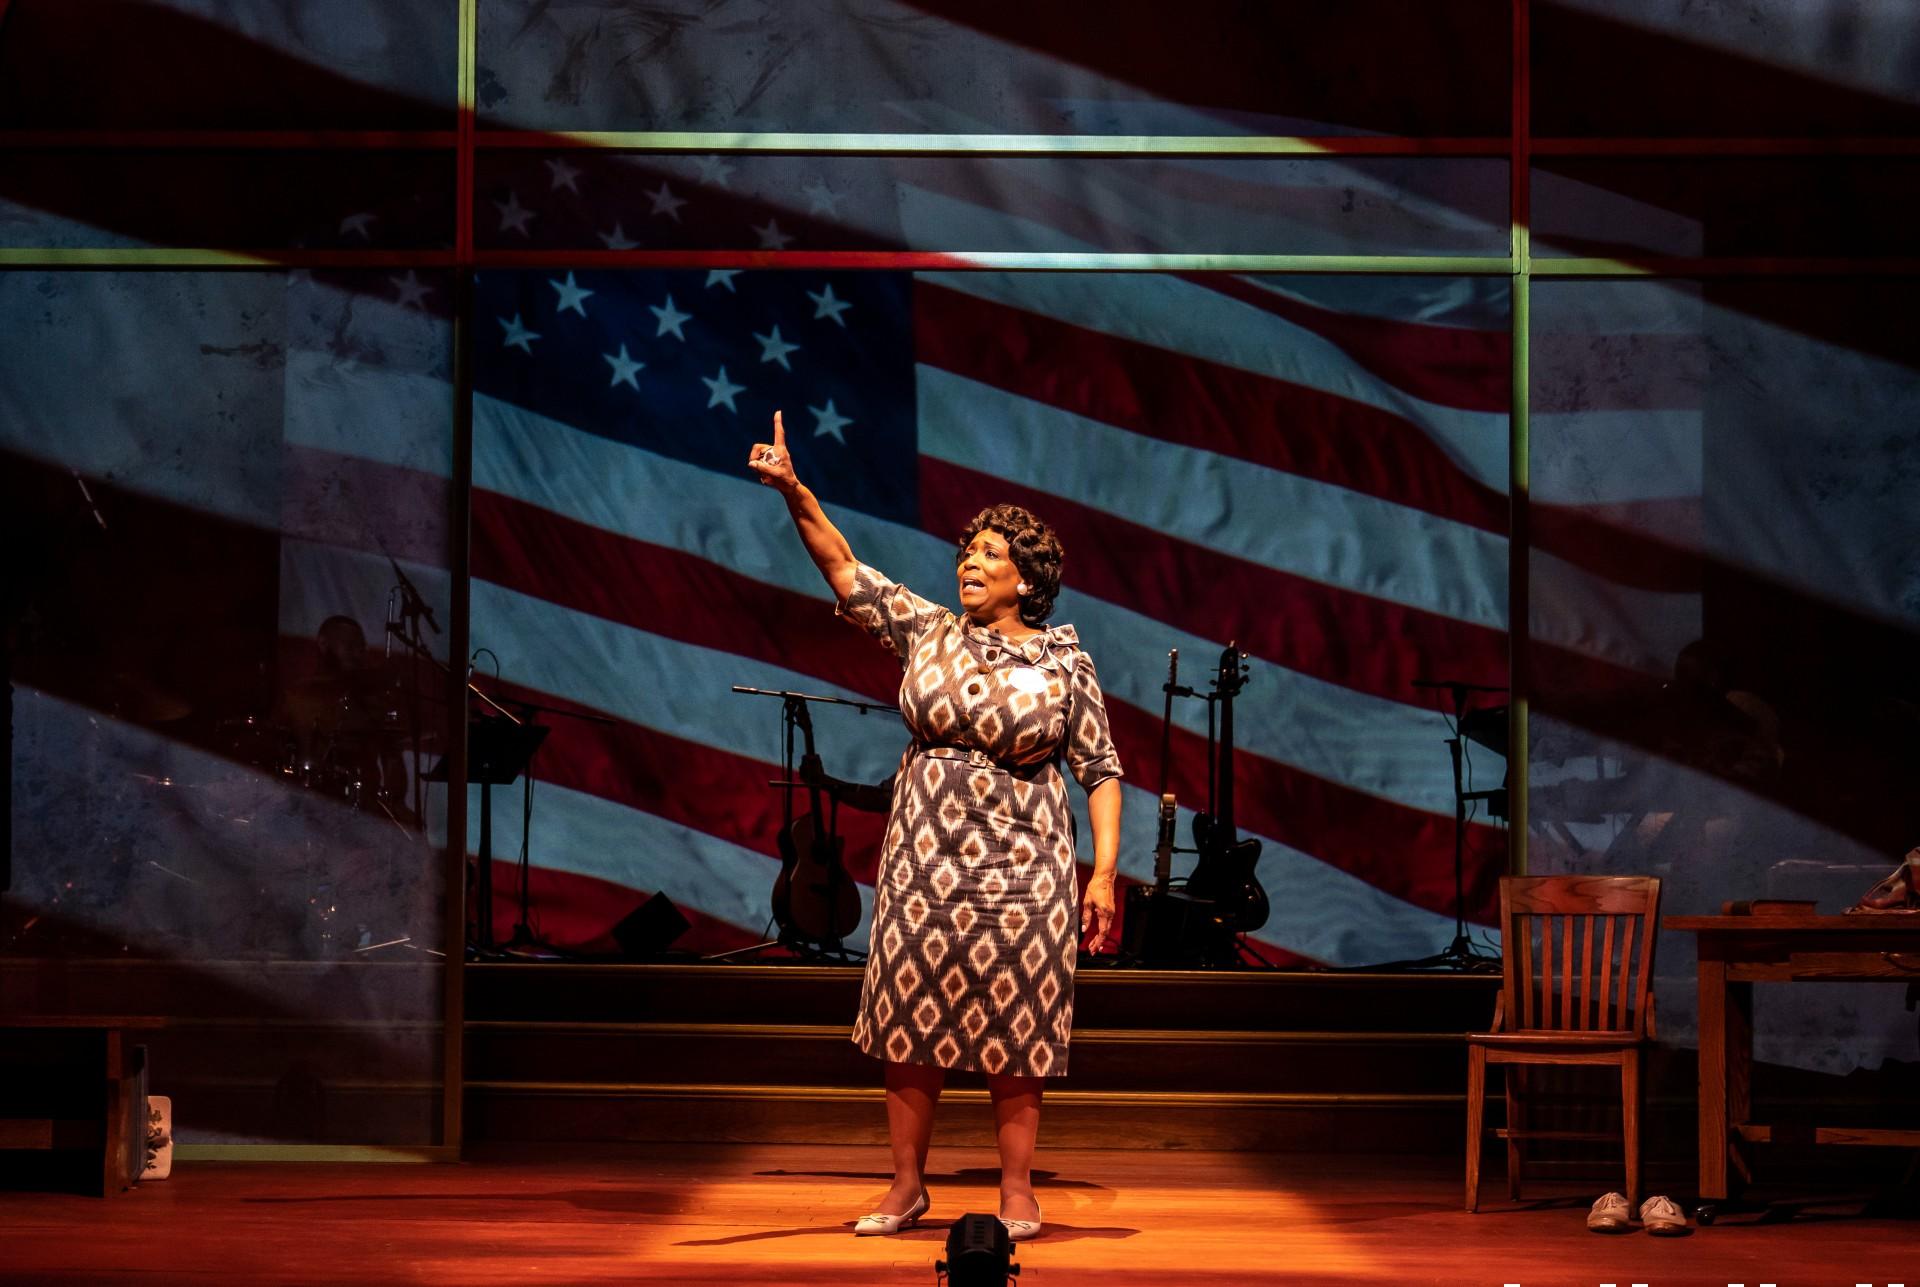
(777, 1214)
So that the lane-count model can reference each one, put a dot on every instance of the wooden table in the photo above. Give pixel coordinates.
(71, 1085)
(1738, 951)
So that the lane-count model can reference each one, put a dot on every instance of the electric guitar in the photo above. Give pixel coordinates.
(1224, 871)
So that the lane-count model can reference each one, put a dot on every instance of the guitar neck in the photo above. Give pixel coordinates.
(1224, 821)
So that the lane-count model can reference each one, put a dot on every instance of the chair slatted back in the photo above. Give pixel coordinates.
(1578, 951)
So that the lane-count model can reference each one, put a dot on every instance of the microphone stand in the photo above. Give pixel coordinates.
(523, 936)
(403, 622)
(481, 875)
(1460, 954)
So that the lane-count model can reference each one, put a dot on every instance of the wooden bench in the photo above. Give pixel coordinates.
(73, 1111)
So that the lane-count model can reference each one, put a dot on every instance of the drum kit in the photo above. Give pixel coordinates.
(340, 737)
(292, 816)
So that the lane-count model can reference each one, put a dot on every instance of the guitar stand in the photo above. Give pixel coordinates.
(794, 717)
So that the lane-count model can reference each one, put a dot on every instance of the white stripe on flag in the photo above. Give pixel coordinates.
(1279, 520)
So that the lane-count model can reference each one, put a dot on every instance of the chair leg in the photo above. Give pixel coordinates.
(1630, 1122)
(1476, 1119)
(1516, 1120)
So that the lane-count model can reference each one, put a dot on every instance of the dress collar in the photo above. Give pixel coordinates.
(1033, 648)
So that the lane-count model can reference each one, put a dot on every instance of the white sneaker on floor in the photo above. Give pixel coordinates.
(1662, 1217)
(1610, 1214)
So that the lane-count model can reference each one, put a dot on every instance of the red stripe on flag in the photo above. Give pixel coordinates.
(669, 592)
(1318, 629)
(1450, 366)
(1629, 544)
(1196, 403)
(1404, 851)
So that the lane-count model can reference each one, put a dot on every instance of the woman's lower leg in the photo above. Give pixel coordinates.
(912, 1092)
(1016, 1125)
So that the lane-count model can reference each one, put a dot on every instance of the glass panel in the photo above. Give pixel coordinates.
(217, 808)
(239, 200)
(1725, 599)
(1312, 467)
(1138, 67)
(1760, 69)
(1695, 207)
(1146, 205)
(209, 64)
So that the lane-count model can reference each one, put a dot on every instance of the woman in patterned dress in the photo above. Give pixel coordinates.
(974, 942)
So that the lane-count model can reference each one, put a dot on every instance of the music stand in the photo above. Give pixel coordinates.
(498, 751)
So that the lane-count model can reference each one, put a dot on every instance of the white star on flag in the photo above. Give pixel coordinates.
(563, 174)
(572, 295)
(714, 170)
(721, 390)
(771, 238)
(360, 225)
(775, 349)
(825, 305)
(413, 292)
(664, 202)
(670, 319)
(617, 239)
(512, 214)
(623, 368)
(722, 277)
(518, 336)
(828, 422)
(821, 199)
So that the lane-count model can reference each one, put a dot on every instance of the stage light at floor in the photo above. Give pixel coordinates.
(979, 1254)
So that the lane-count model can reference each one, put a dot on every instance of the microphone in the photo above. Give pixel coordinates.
(415, 601)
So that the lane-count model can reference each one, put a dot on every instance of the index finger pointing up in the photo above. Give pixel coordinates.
(779, 431)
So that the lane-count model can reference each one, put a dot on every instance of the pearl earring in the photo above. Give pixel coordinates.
(1021, 588)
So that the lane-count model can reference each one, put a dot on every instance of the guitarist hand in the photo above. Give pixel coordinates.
(1096, 911)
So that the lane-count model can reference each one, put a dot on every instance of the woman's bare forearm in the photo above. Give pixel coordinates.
(1103, 811)
(825, 545)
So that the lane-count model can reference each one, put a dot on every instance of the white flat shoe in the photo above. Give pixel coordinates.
(880, 1224)
(1021, 1230)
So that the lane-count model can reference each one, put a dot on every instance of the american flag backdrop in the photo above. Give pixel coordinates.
(624, 561)
(1313, 468)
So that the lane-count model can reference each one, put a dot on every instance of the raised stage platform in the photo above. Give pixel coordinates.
(782, 1214)
(1269, 1060)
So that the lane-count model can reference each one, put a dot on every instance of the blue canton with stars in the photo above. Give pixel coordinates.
(692, 365)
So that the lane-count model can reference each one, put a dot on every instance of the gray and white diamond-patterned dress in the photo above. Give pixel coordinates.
(975, 913)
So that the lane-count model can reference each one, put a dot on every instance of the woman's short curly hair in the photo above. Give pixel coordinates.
(1036, 555)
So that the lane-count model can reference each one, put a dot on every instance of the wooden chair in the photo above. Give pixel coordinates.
(1578, 953)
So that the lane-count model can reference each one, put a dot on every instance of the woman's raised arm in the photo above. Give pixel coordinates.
(825, 546)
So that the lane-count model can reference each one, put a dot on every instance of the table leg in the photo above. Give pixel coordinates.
(1739, 1066)
(1713, 1078)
